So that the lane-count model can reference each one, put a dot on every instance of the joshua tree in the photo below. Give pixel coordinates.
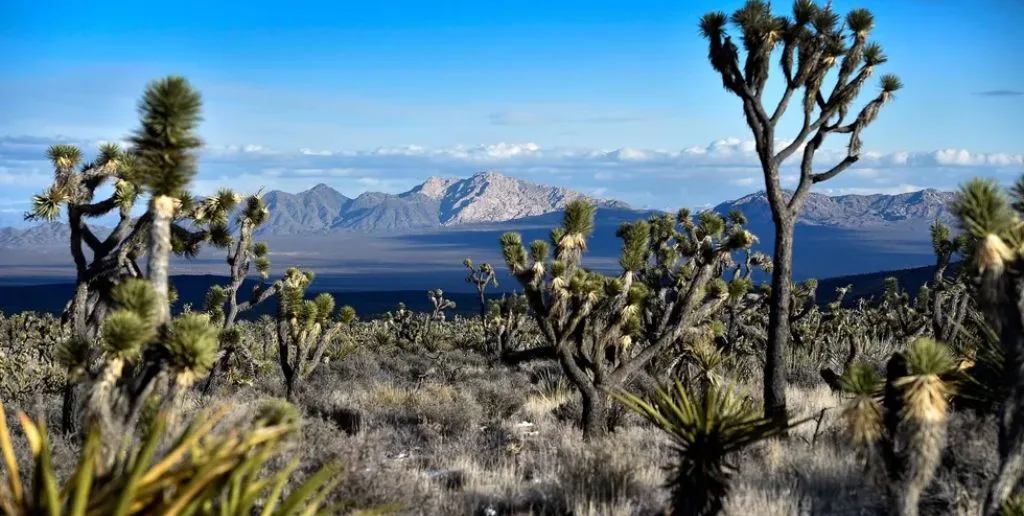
(305, 327)
(600, 329)
(506, 320)
(996, 254)
(744, 299)
(916, 429)
(946, 318)
(103, 263)
(439, 304)
(142, 355)
(813, 44)
(706, 430)
(481, 276)
(222, 301)
(909, 426)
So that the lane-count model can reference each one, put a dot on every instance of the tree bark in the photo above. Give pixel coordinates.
(595, 413)
(69, 404)
(778, 321)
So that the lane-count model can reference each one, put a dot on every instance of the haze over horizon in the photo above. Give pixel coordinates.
(612, 101)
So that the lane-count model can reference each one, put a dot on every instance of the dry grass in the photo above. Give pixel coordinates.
(453, 433)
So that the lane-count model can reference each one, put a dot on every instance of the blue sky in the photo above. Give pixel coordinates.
(612, 98)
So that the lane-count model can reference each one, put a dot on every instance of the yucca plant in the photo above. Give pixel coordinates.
(705, 432)
(481, 276)
(201, 472)
(222, 302)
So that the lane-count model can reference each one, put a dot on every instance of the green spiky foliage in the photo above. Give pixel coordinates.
(745, 300)
(863, 413)
(202, 472)
(688, 260)
(814, 45)
(37, 356)
(481, 276)
(142, 359)
(994, 250)
(947, 299)
(243, 252)
(706, 431)
(138, 354)
(901, 316)
(408, 328)
(602, 329)
(305, 328)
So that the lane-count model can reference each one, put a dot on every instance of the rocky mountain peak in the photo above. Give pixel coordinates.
(435, 187)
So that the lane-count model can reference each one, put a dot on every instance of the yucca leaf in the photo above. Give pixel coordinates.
(313, 505)
(45, 479)
(188, 438)
(273, 499)
(10, 462)
(84, 475)
(141, 462)
(318, 480)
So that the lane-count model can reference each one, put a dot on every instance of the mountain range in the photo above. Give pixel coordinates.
(490, 197)
(485, 197)
(418, 239)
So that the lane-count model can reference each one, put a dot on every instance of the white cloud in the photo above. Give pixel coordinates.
(744, 181)
(663, 178)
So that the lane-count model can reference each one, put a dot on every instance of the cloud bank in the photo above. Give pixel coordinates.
(657, 178)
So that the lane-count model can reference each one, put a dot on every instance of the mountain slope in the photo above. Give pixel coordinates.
(855, 211)
(45, 234)
(493, 197)
(482, 198)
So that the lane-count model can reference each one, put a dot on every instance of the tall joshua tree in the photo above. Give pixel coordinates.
(169, 110)
(813, 43)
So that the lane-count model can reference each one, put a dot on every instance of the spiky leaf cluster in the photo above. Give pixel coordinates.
(705, 432)
(164, 143)
(202, 472)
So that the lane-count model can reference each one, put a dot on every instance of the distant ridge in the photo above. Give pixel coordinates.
(855, 211)
(485, 197)
(493, 199)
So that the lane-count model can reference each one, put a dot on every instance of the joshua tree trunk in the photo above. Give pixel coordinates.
(160, 251)
(595, 410)
(778, 321)
(69, 424)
